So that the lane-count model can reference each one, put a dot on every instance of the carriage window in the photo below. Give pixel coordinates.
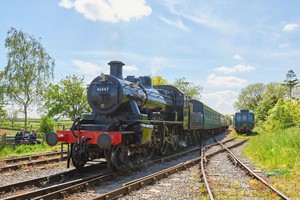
(250, 117)
(238, 118)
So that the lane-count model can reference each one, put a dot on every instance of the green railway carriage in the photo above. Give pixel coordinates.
(211, 118)
(204, 117)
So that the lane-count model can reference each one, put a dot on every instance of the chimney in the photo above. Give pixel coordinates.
(116, 69)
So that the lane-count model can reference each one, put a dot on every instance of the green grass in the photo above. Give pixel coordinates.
(234, 134)
(277, 154)
(7, 151)
(277, 150)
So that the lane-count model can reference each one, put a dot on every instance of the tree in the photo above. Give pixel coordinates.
(250, 97)
(229, 117)
(291, 81)
(28, 70)
(188, 88)
(3, 112)
(66, 99)
(12, 114)
(273, 92)
(158, 80)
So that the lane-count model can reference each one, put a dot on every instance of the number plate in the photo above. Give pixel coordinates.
(103, 89)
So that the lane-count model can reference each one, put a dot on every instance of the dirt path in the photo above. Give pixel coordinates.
(3, 131)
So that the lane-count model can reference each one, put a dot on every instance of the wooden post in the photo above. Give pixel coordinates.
(4, 139)
(61, 150)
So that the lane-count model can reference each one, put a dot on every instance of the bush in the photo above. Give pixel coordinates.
(47, 124)
(284, 114)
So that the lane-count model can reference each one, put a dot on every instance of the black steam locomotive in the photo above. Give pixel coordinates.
(131, 118)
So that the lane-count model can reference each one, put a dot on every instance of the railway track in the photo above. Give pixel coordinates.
(62, 190)
(48, 190)
(31, 157)
(67, 187)
(129, 187)
(47, 184)
(33, 160)
(237, 162)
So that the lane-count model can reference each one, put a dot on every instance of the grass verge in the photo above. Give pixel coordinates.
(9, 151)
(277, 153)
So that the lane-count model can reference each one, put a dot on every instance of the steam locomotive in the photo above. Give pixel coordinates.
(131, 118)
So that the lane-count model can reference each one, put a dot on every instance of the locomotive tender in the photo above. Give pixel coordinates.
(131, 118)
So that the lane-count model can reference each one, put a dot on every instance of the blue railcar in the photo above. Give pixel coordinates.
(244, 121)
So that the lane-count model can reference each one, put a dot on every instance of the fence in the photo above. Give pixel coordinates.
(7, 139)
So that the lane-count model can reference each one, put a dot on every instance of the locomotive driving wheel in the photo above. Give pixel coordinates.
(173, 136)
(163, 140)
(148, 151)
(117, 158)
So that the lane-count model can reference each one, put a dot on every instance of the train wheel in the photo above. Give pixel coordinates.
(198, 137)
(192, 137)
(148, 151)
(163, 144)
(78, 159)
(174, 139)
(163, 147)
(117, 158)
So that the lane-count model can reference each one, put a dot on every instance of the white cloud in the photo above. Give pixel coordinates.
(222, 101)
(178, 24)
(202, 13)
(290, 27)
(156, 64)
(237, 57)
(130, 68)
(237, 68)
(110, 11)
(226, 81)
(89, 68)
(66, 4)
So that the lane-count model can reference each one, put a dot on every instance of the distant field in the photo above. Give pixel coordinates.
(8, 128)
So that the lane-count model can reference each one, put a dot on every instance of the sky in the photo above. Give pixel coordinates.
(221, 45)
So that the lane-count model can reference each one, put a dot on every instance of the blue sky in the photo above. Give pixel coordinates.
(221, 45)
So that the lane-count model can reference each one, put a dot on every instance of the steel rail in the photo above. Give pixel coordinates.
(31, 157)
(204, 175)
(63, 190)
(181, 154)
(46, 179)
(242, 165)
(37, 162)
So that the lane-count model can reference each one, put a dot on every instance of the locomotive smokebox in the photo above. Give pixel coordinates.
(116, 69)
